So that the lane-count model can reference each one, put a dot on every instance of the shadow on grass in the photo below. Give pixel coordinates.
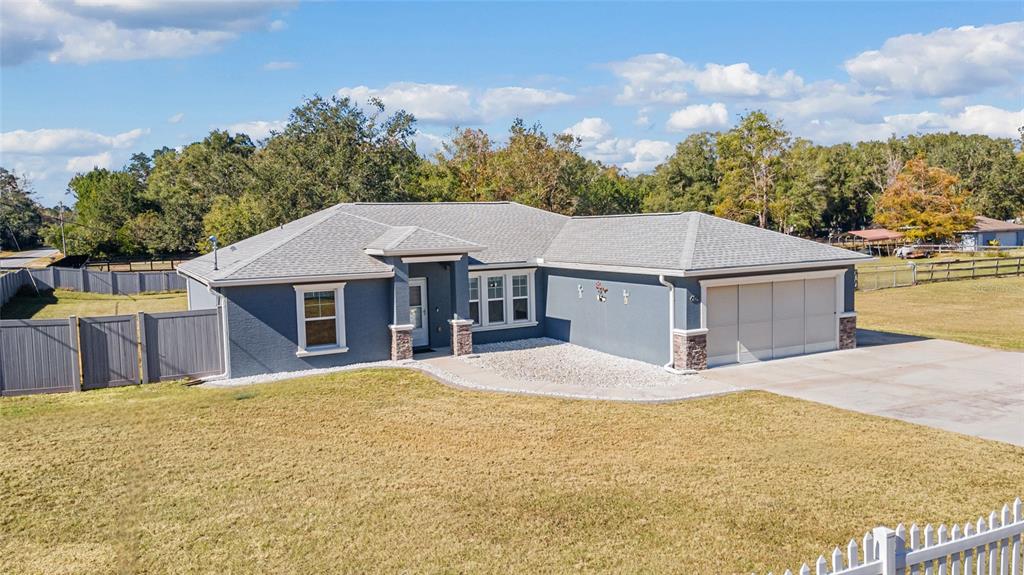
(871, 338)
(26, 304)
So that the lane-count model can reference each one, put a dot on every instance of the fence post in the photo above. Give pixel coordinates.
(53, 277)
(76, 350)
(891, 550)
(143, 356)
(85, 278)
(113, 283)
(913, 274)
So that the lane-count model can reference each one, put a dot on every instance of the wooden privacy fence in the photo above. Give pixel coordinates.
(991, 547)
(84, 280)
(908, 274)
(57, 355)
(11, 282)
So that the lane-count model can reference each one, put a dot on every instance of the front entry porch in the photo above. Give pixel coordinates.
(430, 305)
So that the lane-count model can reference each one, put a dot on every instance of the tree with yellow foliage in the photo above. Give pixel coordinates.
(925, 203)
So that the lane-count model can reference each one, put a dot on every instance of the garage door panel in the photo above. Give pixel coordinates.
(755, 318)
(788, 336)
(722, 345)
(788, 300)
(722, 308)
(820, 296)
(755, 342)
(722, 325)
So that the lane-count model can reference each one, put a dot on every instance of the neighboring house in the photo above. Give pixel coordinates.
(987, 230)
(367, 282)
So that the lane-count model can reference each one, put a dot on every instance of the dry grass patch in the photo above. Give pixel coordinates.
(63, 303)
(389, 471)
(988, 312)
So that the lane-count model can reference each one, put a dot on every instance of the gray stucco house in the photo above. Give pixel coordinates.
(985, 231)
(367, 282)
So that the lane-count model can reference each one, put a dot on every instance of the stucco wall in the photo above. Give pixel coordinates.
(637, 330)
(263, 330)
(199, 297)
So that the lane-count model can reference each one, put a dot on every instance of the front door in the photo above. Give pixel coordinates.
(418, 312)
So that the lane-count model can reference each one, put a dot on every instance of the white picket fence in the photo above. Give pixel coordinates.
(990, 547)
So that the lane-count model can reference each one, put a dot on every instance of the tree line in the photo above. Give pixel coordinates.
(332, 150)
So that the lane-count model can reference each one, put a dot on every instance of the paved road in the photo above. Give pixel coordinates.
(944, 384)
(22, 259)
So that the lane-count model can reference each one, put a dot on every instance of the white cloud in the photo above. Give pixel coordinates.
(656, 78)
(515, 100)
(598, 143)
(946, 62)
(665, 79)
(427, 144)
(698, 116)
(64, 141)
(277, 25)
(80, 164)
(430, 103)
(176, 118)
(980, 119)
(740, 80)
(830, 99)
(589, 129)
(647, 154)
(276, 65)
(451, 104)
(643, 118)
(95, 30)
(257, 129)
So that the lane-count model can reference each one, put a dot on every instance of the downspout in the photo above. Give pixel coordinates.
(222, 309)
(671, 365)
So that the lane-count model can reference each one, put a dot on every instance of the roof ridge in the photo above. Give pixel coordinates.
(449, 236)
(690, 241)
(640, 215)
(406, 232)
(241, 264)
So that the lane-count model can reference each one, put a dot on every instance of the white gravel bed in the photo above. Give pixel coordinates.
(547, 360)
(272, 377)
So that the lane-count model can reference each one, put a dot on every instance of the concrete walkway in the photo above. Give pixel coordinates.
(466, 375)
(944, 384)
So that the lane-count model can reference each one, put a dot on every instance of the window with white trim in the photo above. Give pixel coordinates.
(474, 300)
(320, 311)
(520, 297)
(495, 300)
(501, 298)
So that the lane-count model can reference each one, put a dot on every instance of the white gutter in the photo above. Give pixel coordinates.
(671, 365)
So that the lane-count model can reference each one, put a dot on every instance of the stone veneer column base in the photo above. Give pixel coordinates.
(401, 342)
(690, 349)
(462, 336)
(848, 331)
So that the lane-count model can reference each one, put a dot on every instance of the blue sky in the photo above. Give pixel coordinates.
(90, 82)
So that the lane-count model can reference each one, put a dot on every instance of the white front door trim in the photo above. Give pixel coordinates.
(420, 335)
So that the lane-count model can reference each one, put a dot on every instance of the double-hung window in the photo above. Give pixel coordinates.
(320, 311)
(501, 299)
(474, 300)
(495, 300)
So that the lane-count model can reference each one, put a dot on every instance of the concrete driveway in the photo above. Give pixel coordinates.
(944, 384)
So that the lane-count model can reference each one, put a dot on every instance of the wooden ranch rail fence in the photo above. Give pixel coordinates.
(58, 355)
(83, 280)
(990, 547)
(890, 276)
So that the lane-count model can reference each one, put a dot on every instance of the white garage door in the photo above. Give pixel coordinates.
(761, 321)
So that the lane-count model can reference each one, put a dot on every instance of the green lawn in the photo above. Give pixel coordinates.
(63, 303)
(988, 312)
(389, 471)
